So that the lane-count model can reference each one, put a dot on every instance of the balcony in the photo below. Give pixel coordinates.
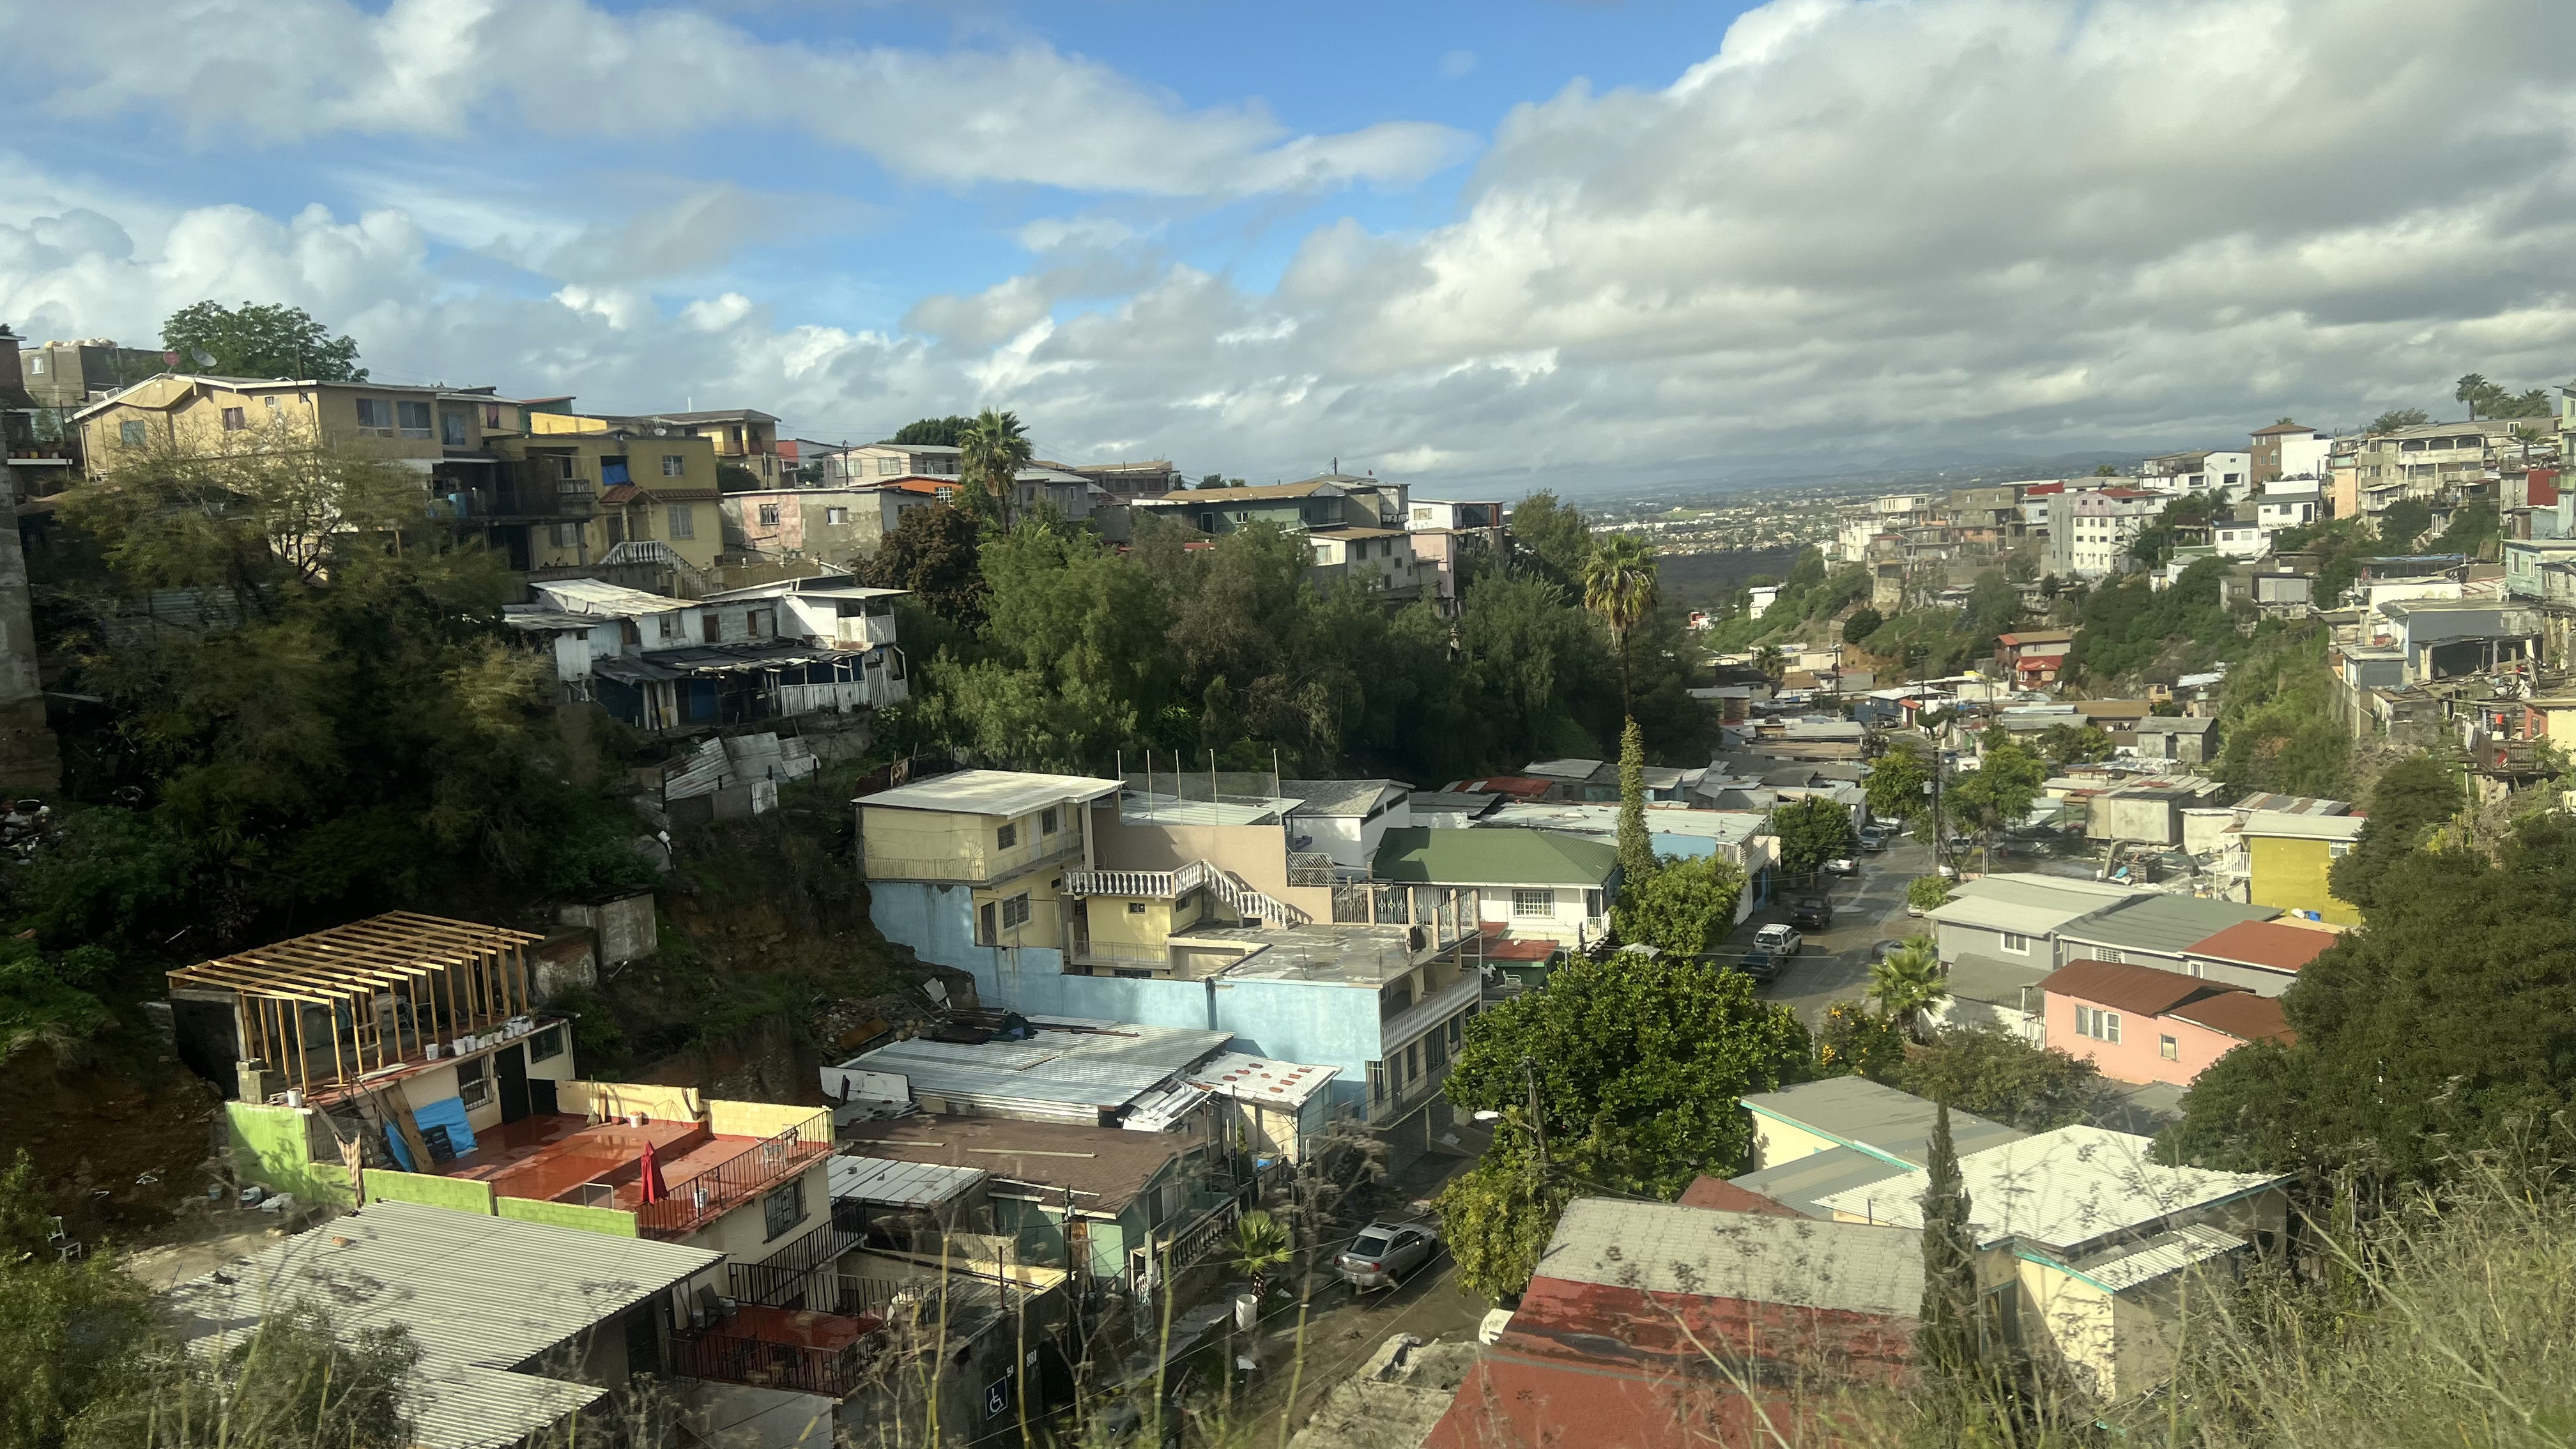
(1417, 1019)
(736, 1180)
(779, 1348)
(975, 865)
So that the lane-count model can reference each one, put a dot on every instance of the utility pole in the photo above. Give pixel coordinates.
(1538, 1124)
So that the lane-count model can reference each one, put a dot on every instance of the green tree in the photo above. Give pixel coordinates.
(2475, 391)
(1640, 1066)
(1862, 624)
(992, 453)
(1771, 662)
(2403, 522)
(2065, 745)
(1498, 1216)
(1945, 1335)
(1928, 892)
(1553, 534)
(1683, 907)
(1812, 831)
(2277, 720)
(1900, 783)
(935, 552)
(2396, 418)
(1856, 1041)
(292, 1382)
(1619, 586)
(1908, 983)
(947, 432)
(2001, 789)
(1261, 1243)
(2473, 526)
(1636, 847)
(1997, 1075)
(72, 1329)
(2412, 797)
(259, 340)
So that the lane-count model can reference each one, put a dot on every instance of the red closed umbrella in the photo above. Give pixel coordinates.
(650, 1170)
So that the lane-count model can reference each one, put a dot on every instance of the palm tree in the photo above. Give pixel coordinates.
(1261, 1243)
(991, 453)
(1907, 983)
(1771, 662)
(1619, 585)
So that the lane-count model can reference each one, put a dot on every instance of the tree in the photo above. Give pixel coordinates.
(992, 452)
(1771, 662)
(1219, 480)
(1640, 1065)
(2396, 418)
(1900, 783)
(1636, 847)
(292, 1382)
(947, 432)
(936, 553)
(2412, 796)
(1908, 983)
(1683, 907)
(1498, 1216)
(255, 340)
(1862, 624)
(2000, 790)
(72, 1328)
(1554, 535)
(1812, 831)
(1945, 1335)
(1619, 585)
(1997, 1075)
(1261, 1243)
(1928, 892)
(2474, 390)
(1855, 1041)
(2404, 521)
(2064, 745)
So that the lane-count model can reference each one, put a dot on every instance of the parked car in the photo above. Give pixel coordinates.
(1842, 865)
(1811, 913)
(1875, 836)
(1779, 940)
(1385, 1254)
(1759, 964)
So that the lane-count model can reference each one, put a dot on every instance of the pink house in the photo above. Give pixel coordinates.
(2139, 1024)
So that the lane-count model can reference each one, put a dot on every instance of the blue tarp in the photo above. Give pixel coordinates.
(447, 1112)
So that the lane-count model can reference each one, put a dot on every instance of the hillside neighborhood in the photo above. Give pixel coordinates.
(932, 945)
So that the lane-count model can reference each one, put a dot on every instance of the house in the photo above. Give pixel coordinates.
(2090, 530)
(1295, 507)
(1346, 819)
(1448, 534)
(2288, 858)
(1105, 1075)
(2445, 638)
(2146, 811)
(1577, 779)
(1678, 831)
(2143, 1024)
(2283, 508)
(2239, 538)
(2012, 919)
(195, 411)
(62, 376)
(877, 462)
(1006, 837)
(2150, 930)
(835, 526)
(741, 438)
(2265, 957)
(2289, 450)
(2185, 739)
(521, 1327)
(1987, 991)
(661, 663)
(2101, 1239)
(565, 504)
(2034, 657)
(1535, 883)
(1815, 1139)
(1379, 560)
(1652, 1324)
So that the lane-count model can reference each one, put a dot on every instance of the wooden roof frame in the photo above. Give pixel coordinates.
(380, 953)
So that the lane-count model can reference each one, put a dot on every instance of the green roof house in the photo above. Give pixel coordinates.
(1535, 884)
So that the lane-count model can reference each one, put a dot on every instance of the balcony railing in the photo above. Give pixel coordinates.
(977, 865)
(787, 1274)
(719, 1353)
(1438, 1007)
(737, 1180)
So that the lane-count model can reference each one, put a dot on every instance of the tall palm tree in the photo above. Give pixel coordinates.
(1261, 1242)
(1619, 585)
(1771, 662)
(1907, 983)
(991, 453)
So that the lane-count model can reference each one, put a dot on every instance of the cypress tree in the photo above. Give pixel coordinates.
(1636, 848)
(1945, 1339)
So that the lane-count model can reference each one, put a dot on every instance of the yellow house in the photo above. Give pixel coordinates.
(744, 437)
(613, 496)
(2287, 858)
(982, 854)
(418, 425)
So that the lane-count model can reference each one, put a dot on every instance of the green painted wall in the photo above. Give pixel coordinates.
(461, 1194)
(268, 1146)
(611, 1221)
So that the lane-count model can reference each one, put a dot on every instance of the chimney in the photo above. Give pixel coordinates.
(13, 384)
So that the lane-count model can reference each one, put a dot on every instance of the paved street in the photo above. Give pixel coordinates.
(1868, 908)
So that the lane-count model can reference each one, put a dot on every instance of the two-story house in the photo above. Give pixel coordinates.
(1449, 535)
(569, 503)
(770, 652)
(205, 413)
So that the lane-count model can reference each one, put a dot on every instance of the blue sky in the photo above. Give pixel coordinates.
(1489, 246)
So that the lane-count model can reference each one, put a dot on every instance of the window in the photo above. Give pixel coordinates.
(889, 467)
(414, 419)
(564, 535)
(1007, 836)
(674, 465)
(375, 417)
(783, 1209)
(451, 430)
(684, 521)
(492, 416)
(769, 515)
(474, 1082)
(1412, 1061)
(1046, 821)
(1135, 908)
(2168, 1048)
(1015, 911)
(2337, 849)
(273, 404)
(1377, 1083)
(1592, 905)
(2111, 954)
(546, 1045)
(130, 432)
(672, 626)
(36, 364)
(2097, 1024)
(1533, 903)
(235, 420)
(2018, 945)
(835, 517)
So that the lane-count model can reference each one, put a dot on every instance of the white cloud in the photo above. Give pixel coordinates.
(1457, 63)
(1861, 230)
(263, 71)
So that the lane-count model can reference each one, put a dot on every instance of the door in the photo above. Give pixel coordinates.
(708, 626)
(513, 1064)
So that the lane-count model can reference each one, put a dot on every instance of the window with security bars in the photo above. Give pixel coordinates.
(782, 1210)
(1533, 903)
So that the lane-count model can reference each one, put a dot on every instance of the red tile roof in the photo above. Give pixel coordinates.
(2241, 1014)
(619, 493)
(2139, 990)
(2266, 943)
(1723, 1196)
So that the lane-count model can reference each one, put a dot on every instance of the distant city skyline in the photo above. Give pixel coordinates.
(1495, 248)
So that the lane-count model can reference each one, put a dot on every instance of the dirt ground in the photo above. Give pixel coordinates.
(121, 1154)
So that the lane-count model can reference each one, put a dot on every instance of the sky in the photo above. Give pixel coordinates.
(1483, 247)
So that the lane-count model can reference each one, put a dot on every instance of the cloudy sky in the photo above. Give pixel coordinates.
(1492, 245)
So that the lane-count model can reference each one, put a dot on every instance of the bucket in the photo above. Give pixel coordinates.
(294, 1098)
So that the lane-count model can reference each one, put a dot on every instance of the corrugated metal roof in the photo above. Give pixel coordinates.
(1804, 1182)
(2170, 924)
(1085, 1071)
(596, 596)
(1758, 1257)
(1429, 855)
(1867, 1114)
(478, 1295)
(2064, 1188)
(2029, 905)
(2278, 823)
(889, 1183)
(1160, 1109)
(1263, 1080)
(2131, 1264)
(990, 792)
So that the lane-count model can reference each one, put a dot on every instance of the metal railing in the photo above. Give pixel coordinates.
(1203, 1235)
(736, 1180)
(783, 1275)
(1430, 1010)
(1237, 894)
(732, 1358)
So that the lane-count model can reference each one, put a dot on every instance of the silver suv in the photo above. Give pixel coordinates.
(1385, 1254)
